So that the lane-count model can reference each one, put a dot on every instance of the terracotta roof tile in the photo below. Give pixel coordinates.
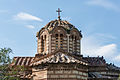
(23, 61)
(95, 61)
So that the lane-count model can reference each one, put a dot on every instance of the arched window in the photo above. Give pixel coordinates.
(45, 37)
(61, 40)
(75, 46)
(42, 44)
(56, 37)
(72, 37)
(45, 42)
(72, 43)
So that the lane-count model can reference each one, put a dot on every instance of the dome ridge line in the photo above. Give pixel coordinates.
(55, 23)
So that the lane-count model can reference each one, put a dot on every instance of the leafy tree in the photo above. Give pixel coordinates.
(6, 71)
(119, 77)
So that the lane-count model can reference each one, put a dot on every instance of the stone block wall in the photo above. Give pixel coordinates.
(61, 72)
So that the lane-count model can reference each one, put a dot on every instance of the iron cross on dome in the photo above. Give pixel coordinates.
(58, 13)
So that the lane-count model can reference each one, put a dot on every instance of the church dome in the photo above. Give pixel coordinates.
(59, 34)
(55, 23)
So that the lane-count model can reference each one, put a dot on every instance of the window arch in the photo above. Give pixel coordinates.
(42, 44)
(72, 37)
(61, 40)
(45, 42)
(56, 37)
(45, 37)
(74, 43)
(75, 46)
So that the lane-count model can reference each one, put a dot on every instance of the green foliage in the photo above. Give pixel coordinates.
(6, 71)
(119, 77)
(4, 56)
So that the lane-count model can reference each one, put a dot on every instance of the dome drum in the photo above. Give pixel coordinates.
(59, 34)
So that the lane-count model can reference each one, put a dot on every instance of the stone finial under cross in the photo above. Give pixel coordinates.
(58, 13)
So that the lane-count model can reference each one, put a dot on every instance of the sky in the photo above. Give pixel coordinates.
(99, 21)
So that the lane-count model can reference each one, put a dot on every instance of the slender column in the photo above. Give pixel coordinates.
(68, 35)
(50, 43)
(44, 44)
(47, 44)
(39, 45)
